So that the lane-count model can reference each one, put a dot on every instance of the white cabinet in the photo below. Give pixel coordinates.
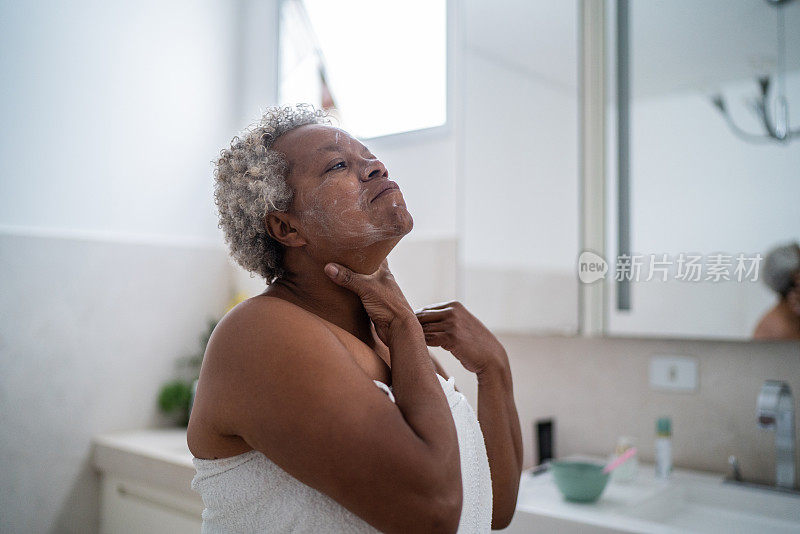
(131, 507)
(145, 481)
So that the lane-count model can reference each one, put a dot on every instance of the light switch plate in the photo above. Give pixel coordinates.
(673, 373)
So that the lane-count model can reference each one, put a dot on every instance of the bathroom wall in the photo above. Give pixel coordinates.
(110, 257)
(109, 109)
(89, 330)
(519, 150)
(597, 389)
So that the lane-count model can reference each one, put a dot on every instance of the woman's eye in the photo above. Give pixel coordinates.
(340, 165)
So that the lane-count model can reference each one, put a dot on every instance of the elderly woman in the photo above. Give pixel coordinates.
(319, 408)
(781, 273)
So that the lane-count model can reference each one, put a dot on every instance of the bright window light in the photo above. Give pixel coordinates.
(379, 66)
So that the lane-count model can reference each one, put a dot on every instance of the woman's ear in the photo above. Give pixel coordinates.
(279, 227)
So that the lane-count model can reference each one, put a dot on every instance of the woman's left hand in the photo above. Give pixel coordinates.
(451, 326)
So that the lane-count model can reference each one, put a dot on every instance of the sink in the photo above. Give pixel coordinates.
(689, 501)
(697, 504)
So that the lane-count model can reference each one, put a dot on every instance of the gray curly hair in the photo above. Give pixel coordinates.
(250, 182)
(781, 266)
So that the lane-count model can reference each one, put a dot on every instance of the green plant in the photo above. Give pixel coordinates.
(175, 399)
(175, 396)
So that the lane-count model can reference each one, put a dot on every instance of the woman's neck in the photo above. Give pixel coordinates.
(316, 293)
(305, 283)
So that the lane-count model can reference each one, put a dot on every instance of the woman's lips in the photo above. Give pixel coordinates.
(388, 186)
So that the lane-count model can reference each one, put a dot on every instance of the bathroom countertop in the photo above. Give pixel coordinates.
(539, 495)
(688, 501)
(157, 456)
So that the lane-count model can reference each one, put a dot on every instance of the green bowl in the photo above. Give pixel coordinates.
(579, 481)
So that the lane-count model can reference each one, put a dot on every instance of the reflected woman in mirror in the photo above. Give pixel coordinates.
(319, 406)
(781, 272)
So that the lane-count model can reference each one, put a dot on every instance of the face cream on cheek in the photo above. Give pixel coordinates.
(341, 220)
(340, 214)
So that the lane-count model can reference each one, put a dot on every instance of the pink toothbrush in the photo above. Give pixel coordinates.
(624, 457)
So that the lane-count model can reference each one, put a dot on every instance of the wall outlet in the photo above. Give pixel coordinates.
(673, 373)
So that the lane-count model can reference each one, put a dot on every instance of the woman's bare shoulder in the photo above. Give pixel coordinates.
(773, 325)
(260, 329)
(264, 313)
(261, 333)
(266, 304)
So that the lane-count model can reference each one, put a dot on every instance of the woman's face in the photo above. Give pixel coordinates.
(343, 198)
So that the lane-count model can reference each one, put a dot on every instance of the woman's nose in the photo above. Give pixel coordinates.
(375, 169)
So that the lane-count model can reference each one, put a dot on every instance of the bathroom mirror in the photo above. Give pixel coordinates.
(518, 164)
(700, 185)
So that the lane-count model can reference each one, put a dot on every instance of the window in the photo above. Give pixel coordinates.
(379, 66)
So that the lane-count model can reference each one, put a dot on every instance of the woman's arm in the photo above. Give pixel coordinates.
(497, 415)
(453, 328)
(416, 390)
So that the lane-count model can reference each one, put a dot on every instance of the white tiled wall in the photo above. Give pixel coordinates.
(597, 390)
(88, 332)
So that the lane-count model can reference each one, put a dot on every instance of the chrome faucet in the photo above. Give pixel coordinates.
(776, 412)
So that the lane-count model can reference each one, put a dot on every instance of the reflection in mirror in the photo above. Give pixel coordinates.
(711, 214)
(781, 274)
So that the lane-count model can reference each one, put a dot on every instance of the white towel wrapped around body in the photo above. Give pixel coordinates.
(250, 493)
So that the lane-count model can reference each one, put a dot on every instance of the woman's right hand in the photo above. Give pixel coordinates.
(382, 298)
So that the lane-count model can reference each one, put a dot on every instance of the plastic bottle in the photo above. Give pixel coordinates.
(663, 447)
(627, 471)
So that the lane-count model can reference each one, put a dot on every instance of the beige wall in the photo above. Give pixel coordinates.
(597, 389)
